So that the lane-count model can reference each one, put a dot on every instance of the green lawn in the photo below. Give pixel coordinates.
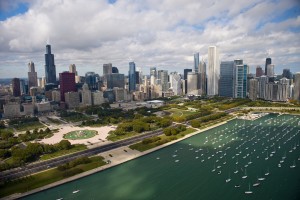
(211, 123)
(164, 139)
(113, 137)
(29, 126)
(77, 147)
(54, 121)
(180, 113)
(76, 118)
(44, 178)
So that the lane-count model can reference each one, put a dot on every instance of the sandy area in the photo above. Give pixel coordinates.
(102, 134)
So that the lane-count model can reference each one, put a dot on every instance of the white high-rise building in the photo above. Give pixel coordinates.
(270, 70)
(175, 83)
(213, 71)
(192, 83)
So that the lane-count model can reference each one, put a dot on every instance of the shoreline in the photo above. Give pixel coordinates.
(121, 157)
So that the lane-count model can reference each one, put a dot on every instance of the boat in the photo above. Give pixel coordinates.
(248, 191)
(60, 199)
(75, 191)
(279, 165)
(176, 160)
(214, 169)
(256, 184)
(294, 165)
(229, 179)
(236, 170)
(245, 176)
(267, 173)
(237, 186)
(219, 172)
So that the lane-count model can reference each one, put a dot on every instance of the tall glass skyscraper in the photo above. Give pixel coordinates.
(50, 71)
(132, 77)
(91, 80)
(226, 79)
(213, 71)
(240, 84)
(196, 62)
(268, 62)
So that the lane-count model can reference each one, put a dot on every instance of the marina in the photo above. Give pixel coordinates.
(238, 160)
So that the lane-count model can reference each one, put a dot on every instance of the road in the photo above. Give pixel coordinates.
(40, 166)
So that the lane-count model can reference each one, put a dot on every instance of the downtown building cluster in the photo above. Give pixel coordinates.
(70, 90)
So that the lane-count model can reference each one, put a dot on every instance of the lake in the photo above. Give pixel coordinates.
(221, 163)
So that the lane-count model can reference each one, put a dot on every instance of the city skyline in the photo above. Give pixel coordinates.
(125, 31)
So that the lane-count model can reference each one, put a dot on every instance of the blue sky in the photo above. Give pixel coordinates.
(161, 33)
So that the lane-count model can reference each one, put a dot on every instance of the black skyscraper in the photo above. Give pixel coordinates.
(50, 71)
(268, 62)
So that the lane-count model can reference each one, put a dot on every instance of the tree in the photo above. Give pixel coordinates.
(195, 123)
(47, 130)
(167, 131)
(35, 131)
(6, 135)
(64, 145)
(4, 153)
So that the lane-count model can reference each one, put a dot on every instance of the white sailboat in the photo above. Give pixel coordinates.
(245, 176)
(294, 165)
(267, 173)
(229, 179)
(75, 191)
(249, 191)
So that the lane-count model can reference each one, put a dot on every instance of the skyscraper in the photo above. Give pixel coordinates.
(213, 71)
(67, 83)
(202, 71)
(72, 69)
(268, 62)
(192, 83)
(114, 70)
(226, 79)
(50, 71)
(297, 87)
(270, 70)
(262, 82)
(240, 80)
(91, 80)
(32, 76)
(253, 89)
(259, 71)
(185, 73)
(16, 90)
(287, 74)
(162, 75)
(153, 72)
(196, 62)
(107, 68)
(132, 77)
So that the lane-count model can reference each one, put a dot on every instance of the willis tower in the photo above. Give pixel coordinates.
(50, 71)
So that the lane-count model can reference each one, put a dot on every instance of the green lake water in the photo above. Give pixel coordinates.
(185, 170)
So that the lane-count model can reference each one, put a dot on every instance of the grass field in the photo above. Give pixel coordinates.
(80, 134)
(180, 113)
(164, 139)
(29, 126)
(76, 147)
(44, 178)
(54, 121)
(114, 138)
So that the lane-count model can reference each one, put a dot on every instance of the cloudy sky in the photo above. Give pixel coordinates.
(161, 33)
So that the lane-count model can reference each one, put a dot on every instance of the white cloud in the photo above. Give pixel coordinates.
(152, 33)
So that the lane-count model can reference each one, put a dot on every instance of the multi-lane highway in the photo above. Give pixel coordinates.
(40, 166)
